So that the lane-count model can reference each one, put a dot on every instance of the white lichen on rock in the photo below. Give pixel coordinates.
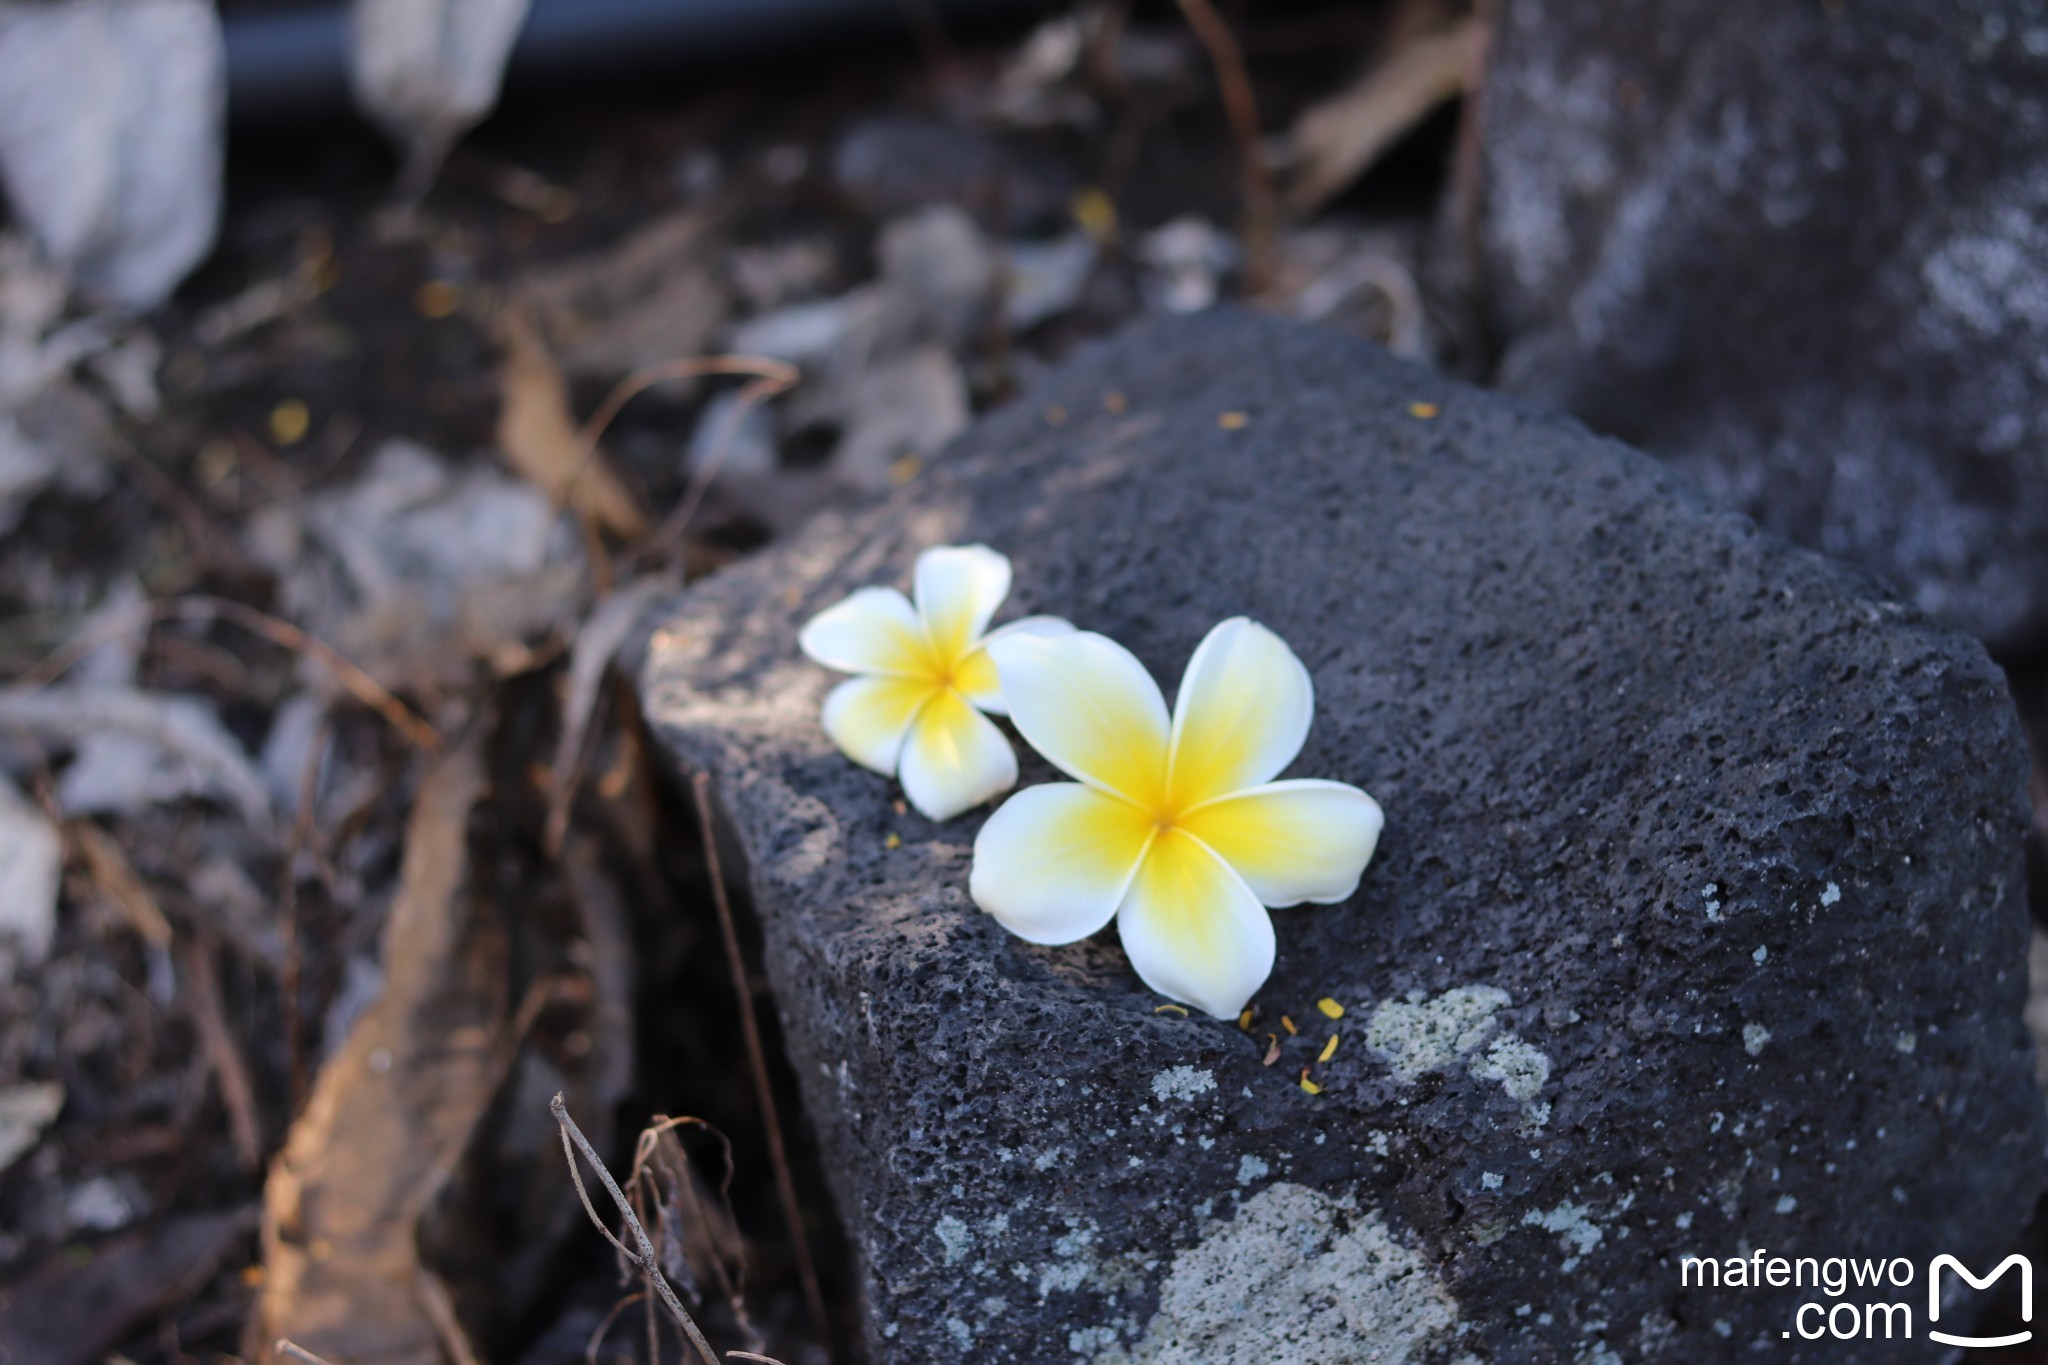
(955, 1238)
(1754, 1036)
(1420, 1035)
(1576, 1231)
(1522, 1070)
(1183, 1083)
(1296, 1275)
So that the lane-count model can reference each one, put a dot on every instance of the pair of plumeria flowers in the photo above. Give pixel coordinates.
(1174, 827)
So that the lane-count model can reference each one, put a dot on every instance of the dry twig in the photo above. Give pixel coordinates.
(1235, 84)
(278, 631)
(757, 1061)
(644, 1258)
(217, 1041)
(770, 377)
(298, 1353)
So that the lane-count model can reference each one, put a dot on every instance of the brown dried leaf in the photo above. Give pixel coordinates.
(540, 439)
(651, 298)
(393, 1109)
(1338, 139)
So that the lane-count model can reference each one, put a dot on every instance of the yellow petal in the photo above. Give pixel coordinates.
(976, 675)
(1193, 930)
(875, 630)
(1053, 862)
(1242, 712)
(1090, 707)
(954, 758)
(958, 588)
(1302, 840)
(868, 718)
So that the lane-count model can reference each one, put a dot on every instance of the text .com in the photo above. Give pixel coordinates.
(1855, 1286)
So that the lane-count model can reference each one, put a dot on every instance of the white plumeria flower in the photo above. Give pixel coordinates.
(1176, 828)
(926, 677)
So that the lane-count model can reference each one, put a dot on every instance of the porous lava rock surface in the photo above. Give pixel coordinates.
(1697, 925)
(1801, 251)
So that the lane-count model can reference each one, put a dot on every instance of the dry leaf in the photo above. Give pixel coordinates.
(539, 437)
(649, 299)
(1338, 139)
(31, 869)
(25, 1111)
(429, 70)
(185, 748)
(393, 1109)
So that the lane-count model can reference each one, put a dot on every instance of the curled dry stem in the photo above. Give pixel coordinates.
(573, 1142)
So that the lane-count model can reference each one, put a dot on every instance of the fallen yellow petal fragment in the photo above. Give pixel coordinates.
(1095, 213)
(1288, 1024)
(1244, 1021)
(1330, 1008)
(289, 422)
(1423, 410)
(893, 841)
(1272, 1049)
(1329, 1049)
(1232, 421)
(1309, 1085)
(1181, 1010)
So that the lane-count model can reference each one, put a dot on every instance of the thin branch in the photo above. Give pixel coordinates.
(775, 377)
(757, 1060)
(298, 1353)
(277, 630)
(357, 683)
(217, 1042)
(604, 1328)
(646, 1168)
(644, 1258)
(1235, 85)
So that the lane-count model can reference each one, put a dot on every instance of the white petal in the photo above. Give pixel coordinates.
(976, 675)
(875, 630)
(1053, 862)
(958, 588)
(954, 758)
(1242, 713)
(868, 718)
(1303, 840)
(1193, 930)
(1089, 706)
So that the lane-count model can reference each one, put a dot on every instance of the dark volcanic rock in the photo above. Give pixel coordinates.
(1697, 924)
(1799, 250)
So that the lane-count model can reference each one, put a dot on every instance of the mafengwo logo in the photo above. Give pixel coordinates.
(1854, 1285)
(2012, 1262)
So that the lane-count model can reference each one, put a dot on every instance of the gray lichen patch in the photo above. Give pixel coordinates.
(1296, 1275)
(1576, 1231)
(1521, 1069)
(1420, 1035)
(1183, 1083)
